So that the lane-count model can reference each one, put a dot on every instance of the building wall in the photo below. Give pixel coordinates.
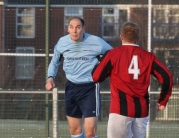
(93, 20)
(56, 25)
(11, 42)
(92, 17)
(10, 22)
(95, 2)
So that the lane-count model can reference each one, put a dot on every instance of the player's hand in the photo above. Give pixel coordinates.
(160, 107)
(50, 84)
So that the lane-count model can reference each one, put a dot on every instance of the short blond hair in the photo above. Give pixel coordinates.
(130, 32)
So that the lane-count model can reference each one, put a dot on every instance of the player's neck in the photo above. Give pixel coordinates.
(128, 43)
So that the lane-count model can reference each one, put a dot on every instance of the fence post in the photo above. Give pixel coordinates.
(47, 10)
(55, 113)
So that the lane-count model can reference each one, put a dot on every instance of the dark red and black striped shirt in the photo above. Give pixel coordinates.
(129, 68)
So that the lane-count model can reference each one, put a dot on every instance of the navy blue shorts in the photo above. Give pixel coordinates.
(82, 99)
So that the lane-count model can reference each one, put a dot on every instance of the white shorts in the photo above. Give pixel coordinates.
(126, 127)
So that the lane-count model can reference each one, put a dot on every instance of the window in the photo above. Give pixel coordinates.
(24, 63)
(112, 20)
(165, 23)
(25, 22)
(69, 13)
(170, 58)
(122, 17)
(109, 20)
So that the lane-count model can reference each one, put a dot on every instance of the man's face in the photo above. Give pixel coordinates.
(76, 30)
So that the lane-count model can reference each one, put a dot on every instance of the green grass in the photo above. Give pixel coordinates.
(12, 128)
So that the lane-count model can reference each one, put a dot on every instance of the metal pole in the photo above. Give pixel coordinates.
(149, 27)
(2, 58)
(149, 24)
(47, 63)
(149, 49)
(55, 113)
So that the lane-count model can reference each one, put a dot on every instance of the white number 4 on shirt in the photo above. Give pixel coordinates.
(133, 67)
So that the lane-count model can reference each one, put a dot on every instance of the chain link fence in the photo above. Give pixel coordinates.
(23, 116)
(29, 31)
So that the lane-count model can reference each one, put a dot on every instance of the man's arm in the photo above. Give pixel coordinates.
(164, 76)
(53, 69)
(50, 83)
(160, 107)
(102, 70)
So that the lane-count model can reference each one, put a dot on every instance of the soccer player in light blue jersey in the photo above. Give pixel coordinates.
(82, 98)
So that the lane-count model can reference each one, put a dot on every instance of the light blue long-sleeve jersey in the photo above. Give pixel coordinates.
(79, 57)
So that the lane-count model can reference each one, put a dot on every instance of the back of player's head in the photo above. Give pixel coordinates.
(130, 32)
(80, 19)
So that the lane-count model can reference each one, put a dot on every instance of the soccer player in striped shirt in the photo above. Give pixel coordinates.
(129, 68)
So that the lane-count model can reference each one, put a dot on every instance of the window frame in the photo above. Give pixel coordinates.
(166, 24)
(27, 63)
(169, 54)
(25, 24)
(116, 23)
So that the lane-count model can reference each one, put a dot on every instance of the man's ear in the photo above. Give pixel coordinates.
(68, 29)
(121, 37)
